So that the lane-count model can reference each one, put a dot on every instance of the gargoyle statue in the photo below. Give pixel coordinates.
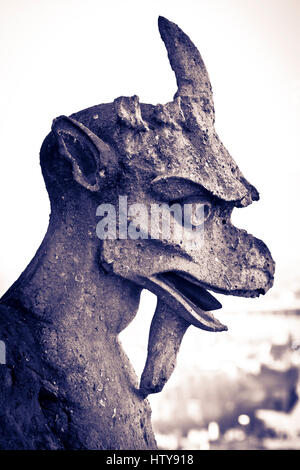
(67, 383)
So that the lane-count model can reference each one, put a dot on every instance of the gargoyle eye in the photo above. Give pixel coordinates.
(196, 211)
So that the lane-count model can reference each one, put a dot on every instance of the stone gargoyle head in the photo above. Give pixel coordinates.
(128, 158)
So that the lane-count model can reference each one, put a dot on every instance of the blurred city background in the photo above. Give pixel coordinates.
(233, 390)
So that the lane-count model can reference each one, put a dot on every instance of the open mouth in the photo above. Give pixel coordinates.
(192, 291)
(196, 300)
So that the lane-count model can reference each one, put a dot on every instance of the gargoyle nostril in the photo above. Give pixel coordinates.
(261, 291)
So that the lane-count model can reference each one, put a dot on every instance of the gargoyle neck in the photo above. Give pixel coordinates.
(65, 279)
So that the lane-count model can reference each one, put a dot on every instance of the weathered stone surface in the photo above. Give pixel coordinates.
(67, 382)
(166, 333)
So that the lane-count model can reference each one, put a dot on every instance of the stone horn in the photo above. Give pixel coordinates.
(191, 75)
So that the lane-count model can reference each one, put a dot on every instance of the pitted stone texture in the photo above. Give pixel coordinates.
(67, 383)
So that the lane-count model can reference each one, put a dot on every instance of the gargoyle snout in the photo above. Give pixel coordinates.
(248, 265)
(259, 258)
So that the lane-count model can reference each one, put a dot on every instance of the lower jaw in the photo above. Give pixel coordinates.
(178, 301)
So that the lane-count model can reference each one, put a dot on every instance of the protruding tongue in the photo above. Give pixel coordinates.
(194, 293)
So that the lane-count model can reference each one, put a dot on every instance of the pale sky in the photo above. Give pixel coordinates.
(60, 56)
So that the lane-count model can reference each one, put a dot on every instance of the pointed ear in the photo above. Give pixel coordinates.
(90, 156)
